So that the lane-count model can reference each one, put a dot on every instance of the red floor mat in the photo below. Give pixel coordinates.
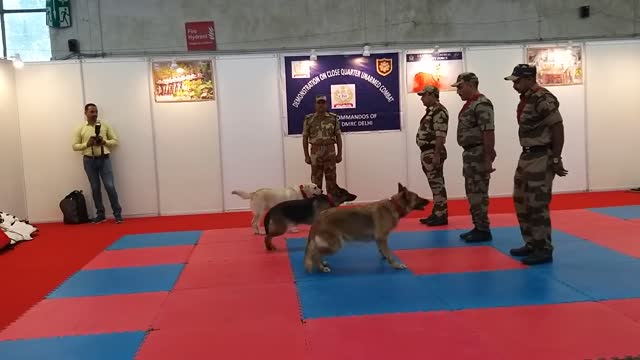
(628, 307)
(234, 340)
(453, 260)
(224, 271)
(616, 234)
(566, 331)
(87, 315)
(274, 305)
(59, 251)
(397, 336)
(140, 257)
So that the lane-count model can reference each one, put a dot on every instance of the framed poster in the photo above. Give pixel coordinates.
(183, 81)
(364, 91)
(557, 65)
(438, 69)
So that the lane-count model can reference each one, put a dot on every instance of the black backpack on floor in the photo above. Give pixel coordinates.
(74, 208)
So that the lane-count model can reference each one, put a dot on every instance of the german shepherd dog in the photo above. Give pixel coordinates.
(296, 212)
(373, 221)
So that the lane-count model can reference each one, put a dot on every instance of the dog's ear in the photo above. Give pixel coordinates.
(401, 188)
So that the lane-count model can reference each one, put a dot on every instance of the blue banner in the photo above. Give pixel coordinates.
(363, 90)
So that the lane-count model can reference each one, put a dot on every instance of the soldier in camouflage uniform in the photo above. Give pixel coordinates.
(322, 130)
(430, 138)
(541, 134)
(476, 137)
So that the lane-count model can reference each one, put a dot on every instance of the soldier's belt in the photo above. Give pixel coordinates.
(323, 143)
(535, 149)
(469, 147)
(427, 147)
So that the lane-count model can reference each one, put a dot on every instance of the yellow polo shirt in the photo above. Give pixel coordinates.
(84, 132)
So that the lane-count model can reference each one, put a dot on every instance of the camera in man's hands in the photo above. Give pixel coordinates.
(97, 139)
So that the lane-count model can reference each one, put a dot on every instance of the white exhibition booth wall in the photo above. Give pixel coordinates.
(186, 158)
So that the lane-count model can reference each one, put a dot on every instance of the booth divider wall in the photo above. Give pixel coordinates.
(120, 89)
(12, 193)
(187, 138)
(50, 104)
(612, 101)
(186, 158)
(250, 132)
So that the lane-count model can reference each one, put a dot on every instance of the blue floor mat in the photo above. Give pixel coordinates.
(94, 347)
(362, 283)
(119, 281)
(156, 240)
(487, 289)
(366, 295)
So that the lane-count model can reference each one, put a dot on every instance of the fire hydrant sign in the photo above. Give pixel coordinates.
(201, 36)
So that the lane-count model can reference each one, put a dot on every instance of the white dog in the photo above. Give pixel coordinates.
(264, 199)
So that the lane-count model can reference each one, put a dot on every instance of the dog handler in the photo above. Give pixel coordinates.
(541, 134)
(476, 136)
(430, 138)
(322, 130)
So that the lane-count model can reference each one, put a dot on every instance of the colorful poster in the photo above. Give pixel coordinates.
(438, 69)
(183, 81)
(557, 65)
(363, 90)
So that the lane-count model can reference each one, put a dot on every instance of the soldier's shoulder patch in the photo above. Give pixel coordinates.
(333, 115)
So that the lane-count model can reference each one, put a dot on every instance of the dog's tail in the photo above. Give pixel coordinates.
(243, 194)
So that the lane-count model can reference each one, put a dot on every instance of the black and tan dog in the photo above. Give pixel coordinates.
(369, 222)
(297, 212)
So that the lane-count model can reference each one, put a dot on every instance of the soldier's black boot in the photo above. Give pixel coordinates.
(427, 219)
(476, 235)
(525, 250)
(465, 235)
(437, 221)
(538, 256)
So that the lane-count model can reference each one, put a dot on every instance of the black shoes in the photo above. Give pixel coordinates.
(476, 235)
(433, 220)
(533, 256)
(521, 251)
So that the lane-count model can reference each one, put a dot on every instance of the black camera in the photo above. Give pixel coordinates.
(97, 128)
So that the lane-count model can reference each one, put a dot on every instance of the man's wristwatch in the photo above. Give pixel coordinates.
(556, 160)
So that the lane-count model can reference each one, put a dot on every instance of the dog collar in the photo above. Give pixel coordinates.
(331, 202)
(304, 194)
(399, 208)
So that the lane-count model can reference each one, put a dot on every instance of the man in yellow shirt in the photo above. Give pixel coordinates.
(95, 139)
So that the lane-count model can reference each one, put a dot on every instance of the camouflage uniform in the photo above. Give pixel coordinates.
(432, 125)
(533, 180)
(475, 117)
(322, 130)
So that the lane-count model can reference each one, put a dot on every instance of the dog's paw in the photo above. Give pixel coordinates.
(326, 269)
(400, 266)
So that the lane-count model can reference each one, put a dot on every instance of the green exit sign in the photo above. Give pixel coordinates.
(58, 13)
